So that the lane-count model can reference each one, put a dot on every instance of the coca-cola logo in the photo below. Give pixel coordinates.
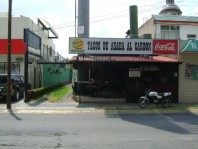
(165, 47)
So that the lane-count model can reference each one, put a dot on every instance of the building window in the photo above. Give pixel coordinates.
(44, 52)
(50, 51)
(174, 28)
(164, 27)
(169, 32)
(15, 68)
(191, 36)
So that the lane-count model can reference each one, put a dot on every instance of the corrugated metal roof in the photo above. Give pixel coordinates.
(150, 59)
(175, 18)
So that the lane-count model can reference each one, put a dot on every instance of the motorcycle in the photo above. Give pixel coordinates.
(154, 97)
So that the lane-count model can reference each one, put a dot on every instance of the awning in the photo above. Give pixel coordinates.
(125, 59)
(46, 26)
(191, 47)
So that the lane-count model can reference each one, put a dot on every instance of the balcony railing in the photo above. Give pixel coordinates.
(168, 34)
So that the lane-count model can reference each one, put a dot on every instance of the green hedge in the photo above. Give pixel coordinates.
(41, 91)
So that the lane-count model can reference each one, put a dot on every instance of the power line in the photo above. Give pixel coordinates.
(104, 19)
(71, 24)
(117, 16)
(121, 14)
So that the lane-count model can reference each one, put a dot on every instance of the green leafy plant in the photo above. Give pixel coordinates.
(44, 90)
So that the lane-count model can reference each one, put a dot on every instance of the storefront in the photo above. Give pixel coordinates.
(125, 73)
(188, 70)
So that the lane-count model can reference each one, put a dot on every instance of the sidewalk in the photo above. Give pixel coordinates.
(69, 106)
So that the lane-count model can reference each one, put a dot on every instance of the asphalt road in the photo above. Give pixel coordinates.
(99, 131)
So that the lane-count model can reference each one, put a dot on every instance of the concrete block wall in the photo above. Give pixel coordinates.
(188, 88)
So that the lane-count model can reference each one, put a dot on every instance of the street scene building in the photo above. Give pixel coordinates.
(161, 54)
(125, 75)
(164, 58)
(170, 24)
(32, 45)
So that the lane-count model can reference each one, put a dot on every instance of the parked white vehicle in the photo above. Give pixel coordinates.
(154, 97)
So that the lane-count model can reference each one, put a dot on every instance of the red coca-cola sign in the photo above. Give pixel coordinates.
(165, 46)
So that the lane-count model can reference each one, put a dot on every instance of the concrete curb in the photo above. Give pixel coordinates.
(44, 110)
(72, 107)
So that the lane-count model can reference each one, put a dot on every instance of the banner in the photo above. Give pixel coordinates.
(191, 71)
(192, 46)
(165, 47)
(110, 46)
(18, 46)
(32, 39)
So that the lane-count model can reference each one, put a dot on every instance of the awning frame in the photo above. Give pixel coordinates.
(47, 26)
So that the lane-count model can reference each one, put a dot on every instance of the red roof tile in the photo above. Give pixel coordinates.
(151, 59)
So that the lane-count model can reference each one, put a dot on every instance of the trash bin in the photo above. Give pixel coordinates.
(30, 94)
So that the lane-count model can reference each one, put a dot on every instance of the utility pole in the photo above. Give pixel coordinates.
(83, 18)
(26, 67)
(9, 54)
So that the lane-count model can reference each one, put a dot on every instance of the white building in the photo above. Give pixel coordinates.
(170, 24)
(40, 46)
(171, 27)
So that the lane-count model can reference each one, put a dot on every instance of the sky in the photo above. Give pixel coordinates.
(108, 18)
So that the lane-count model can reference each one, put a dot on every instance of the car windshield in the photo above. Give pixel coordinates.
(15, 78)
(3, 79)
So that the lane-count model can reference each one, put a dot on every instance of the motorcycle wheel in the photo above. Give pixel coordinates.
(166, 102)
(143, 102)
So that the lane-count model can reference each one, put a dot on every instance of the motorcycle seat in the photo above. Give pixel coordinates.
(160, 94)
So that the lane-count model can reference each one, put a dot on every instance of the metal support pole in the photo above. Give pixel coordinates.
(26, 74)
(9, 54)
(75, 17)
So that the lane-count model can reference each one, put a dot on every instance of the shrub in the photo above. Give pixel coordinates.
(38, 92)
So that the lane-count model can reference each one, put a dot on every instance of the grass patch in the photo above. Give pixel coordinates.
(59, 93)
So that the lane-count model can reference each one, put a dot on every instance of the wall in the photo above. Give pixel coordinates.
(14, 58)
(56, 73)
(147, 28)
(18, 24)
(157, 31)
(187, 29)
(35, 76)
(188, 88)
